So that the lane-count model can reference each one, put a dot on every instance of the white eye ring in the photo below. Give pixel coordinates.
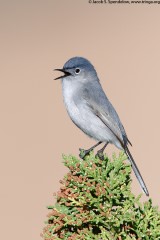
(77, 71)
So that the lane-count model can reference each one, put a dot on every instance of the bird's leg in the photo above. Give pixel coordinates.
(100, 154)
(84, 152)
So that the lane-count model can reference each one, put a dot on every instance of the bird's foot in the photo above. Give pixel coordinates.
(83, 153)
(100, 155)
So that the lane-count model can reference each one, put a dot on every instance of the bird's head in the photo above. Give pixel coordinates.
(77, 68)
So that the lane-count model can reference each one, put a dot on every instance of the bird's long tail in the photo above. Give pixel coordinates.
(136, 171)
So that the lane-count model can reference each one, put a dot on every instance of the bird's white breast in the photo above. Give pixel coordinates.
(69, 90)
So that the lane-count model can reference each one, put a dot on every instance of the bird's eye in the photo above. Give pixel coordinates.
(77, 71)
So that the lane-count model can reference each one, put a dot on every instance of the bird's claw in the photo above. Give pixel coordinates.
(100, 155)
(83, 153)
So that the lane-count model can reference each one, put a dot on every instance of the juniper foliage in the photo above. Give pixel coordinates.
(95, 202)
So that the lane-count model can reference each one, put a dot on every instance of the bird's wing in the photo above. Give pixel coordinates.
(104, 110)
(110, 123)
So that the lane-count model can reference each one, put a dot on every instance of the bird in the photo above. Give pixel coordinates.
(91, 111)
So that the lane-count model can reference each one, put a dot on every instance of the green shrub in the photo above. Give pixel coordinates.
(95, 202)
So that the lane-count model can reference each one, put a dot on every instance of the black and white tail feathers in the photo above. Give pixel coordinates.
(136, 171)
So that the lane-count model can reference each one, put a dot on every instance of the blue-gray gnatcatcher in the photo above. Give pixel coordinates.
(91, 111)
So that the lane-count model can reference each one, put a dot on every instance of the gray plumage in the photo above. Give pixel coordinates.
(90, 109)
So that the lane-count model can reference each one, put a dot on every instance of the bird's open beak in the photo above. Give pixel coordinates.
(66, 73)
